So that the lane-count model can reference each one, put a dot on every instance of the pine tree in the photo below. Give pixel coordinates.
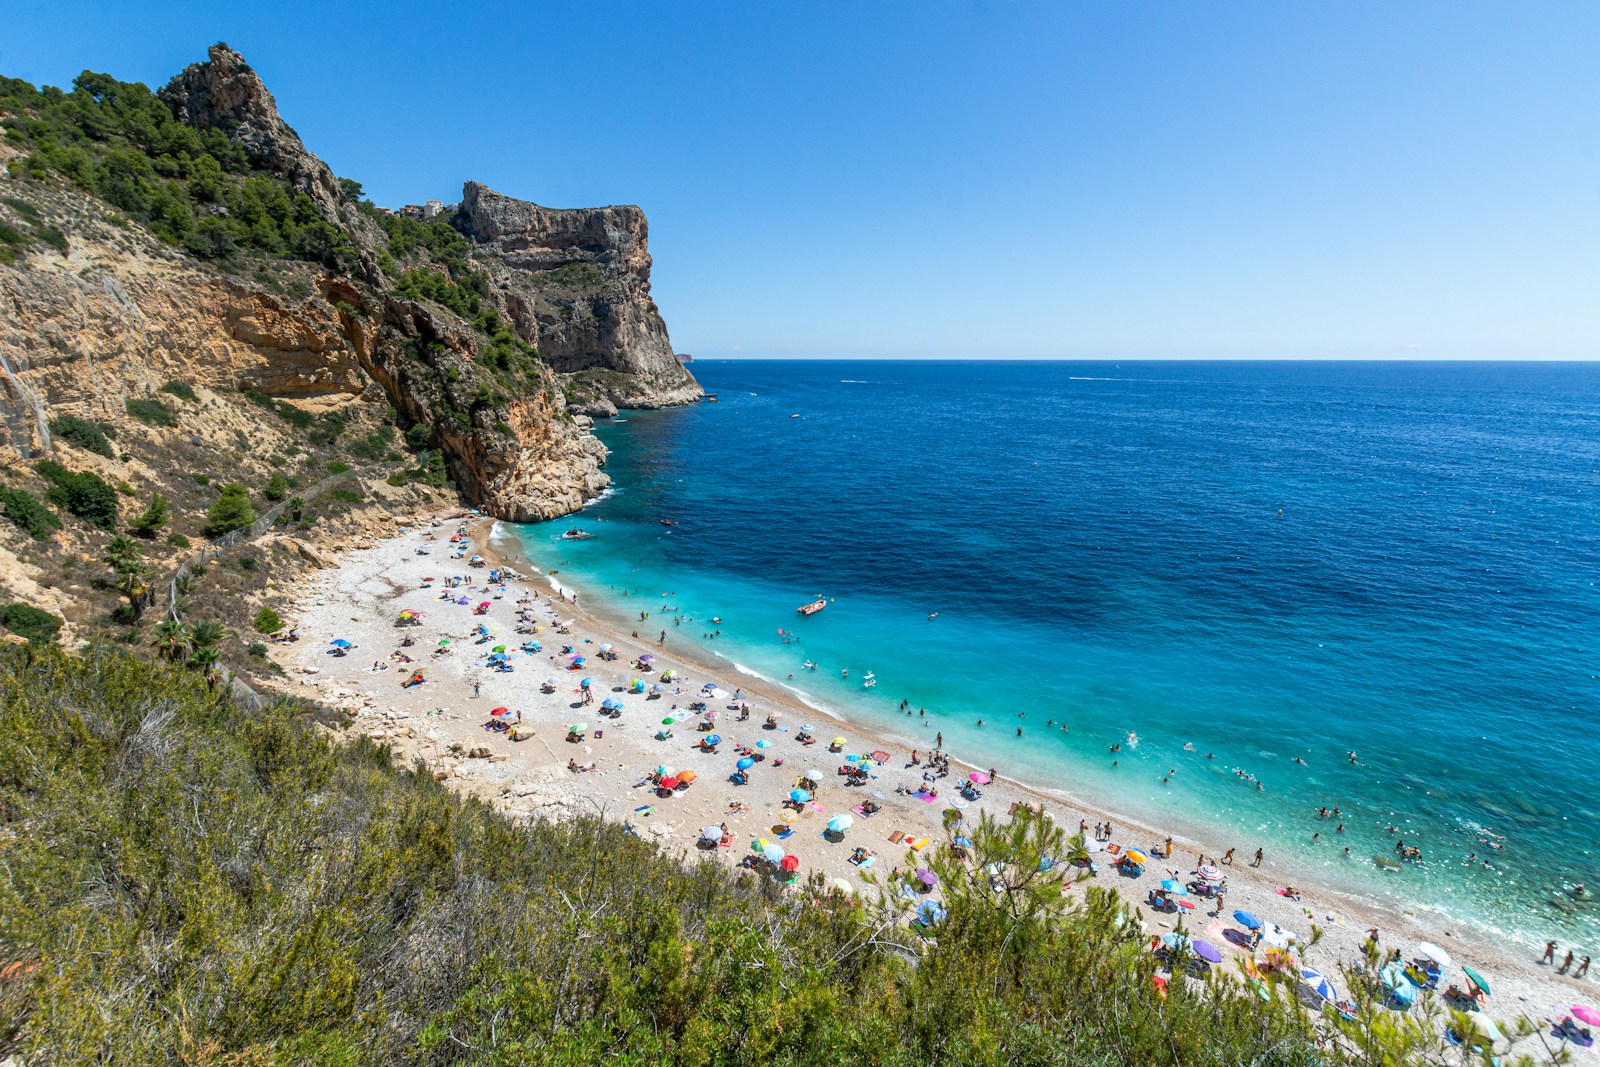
(153, 519)
(232, 511)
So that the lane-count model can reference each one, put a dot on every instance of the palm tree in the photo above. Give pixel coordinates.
(204, 660)
(172, 640)
(206, 634)
(124, 556)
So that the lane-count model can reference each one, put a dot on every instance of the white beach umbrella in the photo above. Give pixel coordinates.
(1435, 953)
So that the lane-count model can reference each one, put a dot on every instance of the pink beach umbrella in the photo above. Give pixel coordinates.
(978, 777)
(1586, 1014)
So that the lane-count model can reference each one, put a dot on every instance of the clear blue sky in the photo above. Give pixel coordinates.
(1065, 179)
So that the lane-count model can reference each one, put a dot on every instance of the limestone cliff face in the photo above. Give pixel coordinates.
(118, 313)
(576, 282)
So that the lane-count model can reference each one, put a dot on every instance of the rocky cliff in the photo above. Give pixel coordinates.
(577, 285)
(491, 359)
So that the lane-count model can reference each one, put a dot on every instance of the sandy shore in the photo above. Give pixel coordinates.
(442, 723)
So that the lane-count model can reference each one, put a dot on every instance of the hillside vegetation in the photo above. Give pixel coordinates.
(185, 882)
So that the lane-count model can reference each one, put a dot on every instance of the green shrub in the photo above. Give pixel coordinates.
(338, 467)
(268, 621)
(256, 650)
(85, 433)
(177, 540)
(201, 479)
(153, 519)
(277, 487)
(32, 517)
(150, 411)
(232, 511)
(181, 390)
(25, 620)
(81, 493)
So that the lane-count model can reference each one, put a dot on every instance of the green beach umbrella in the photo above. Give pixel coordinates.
(669, 721)
(1477, 979)
(444, 642)
(498, 648)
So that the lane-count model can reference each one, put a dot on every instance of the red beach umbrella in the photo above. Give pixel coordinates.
(790, 863)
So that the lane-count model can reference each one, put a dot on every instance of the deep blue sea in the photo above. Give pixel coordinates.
(1260, 560)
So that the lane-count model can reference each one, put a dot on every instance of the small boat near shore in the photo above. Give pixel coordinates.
(576, 535)
(812, 608)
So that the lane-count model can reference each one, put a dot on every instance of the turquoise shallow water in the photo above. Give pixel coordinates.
(1262, 560)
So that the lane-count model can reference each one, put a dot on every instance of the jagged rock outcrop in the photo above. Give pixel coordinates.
(116, 313)
(576, 282)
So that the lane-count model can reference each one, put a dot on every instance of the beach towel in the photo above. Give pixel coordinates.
(788, 832)
(645, 809)
(926, 798)
(897, 837)
(920, 843)
(858, 811)
(864, 864)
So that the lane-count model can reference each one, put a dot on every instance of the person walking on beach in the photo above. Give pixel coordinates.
(1257, 862)
(1565, 963)
(1583, 968)
(663, 639)
(1549, 952)
(477, 687)
(1228, 857)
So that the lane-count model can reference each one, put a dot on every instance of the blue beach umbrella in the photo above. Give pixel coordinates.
(1247, 920)
(611, 702)
(341, 643)
(1317, 983)
(1174, 888)
(763, 743)
(711, 739)
(799, 796)
(586, 683)
(745, 764)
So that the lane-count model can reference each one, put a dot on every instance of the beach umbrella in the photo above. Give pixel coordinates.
(840, 823)
(745, 763)
(666, 770)
(806, 728)
(799, 796)
(1486, 1026)
(1136, 856)
(712, 739)
(586, 683)
(669, 721)
(789, 863)
(964, 842)
(1477, 979)
(605, 648)
(773, 853)
(1207, 951)
(763, 743)
(845, 887)
(837, 741)
(341, 643)
(578, 727)
(611, 703)
(501, 711)
(1174, 888)
(978, 777)
(645, 657)
(711, 833)
(687, 776)
(927, 877)
(443, 641)
(1317, 983)
(1209, 873)
(813, 775)
(1584, 1013)
(1435, 953)
(579, 661)
(667, 676)
(498, 648)
(1186, 905)
(669, 783)
(1247, 920)
(1175, 941)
